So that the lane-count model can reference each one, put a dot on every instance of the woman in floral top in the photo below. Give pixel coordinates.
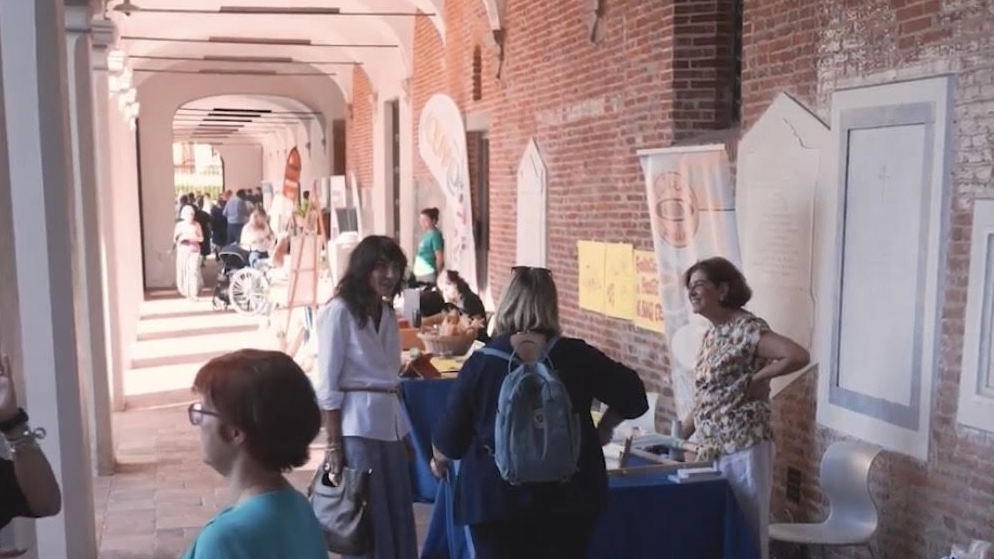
(738, 357)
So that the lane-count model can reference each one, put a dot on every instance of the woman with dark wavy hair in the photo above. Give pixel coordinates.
(359, 363)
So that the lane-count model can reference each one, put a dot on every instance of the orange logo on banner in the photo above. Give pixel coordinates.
(291, 177)
(676, 209)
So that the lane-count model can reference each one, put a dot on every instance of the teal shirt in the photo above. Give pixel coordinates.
(424, 260)
(274, 525)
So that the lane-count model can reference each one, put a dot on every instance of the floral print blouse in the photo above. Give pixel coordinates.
(727, 419)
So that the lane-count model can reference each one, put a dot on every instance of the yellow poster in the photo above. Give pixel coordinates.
(619, 281)
(590, 260)
(648, 307)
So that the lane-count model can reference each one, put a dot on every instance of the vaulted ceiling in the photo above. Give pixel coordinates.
(240, 118)
(266, 40)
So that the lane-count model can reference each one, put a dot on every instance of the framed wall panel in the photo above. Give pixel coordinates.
(976, 392)
(880, 260)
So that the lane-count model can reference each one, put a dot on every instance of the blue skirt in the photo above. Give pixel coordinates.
(390, 497)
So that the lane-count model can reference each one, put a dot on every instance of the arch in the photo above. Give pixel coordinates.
(495, 13)
(359, 29)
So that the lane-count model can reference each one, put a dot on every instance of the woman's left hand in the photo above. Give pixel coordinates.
(439, 466)
(759, 389)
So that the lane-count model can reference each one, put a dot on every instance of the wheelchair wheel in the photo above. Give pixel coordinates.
(249, 292)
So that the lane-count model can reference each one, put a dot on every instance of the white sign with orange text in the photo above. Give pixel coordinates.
(442, 144)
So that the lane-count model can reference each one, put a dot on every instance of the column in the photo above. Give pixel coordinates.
(89, 295)
(102, 37)
(32, 53)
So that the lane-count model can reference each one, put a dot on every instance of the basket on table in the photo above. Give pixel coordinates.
(441, 345)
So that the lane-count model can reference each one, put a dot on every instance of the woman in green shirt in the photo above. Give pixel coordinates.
(430, 257)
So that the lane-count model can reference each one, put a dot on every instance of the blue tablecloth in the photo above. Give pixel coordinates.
(647, 515)
(424, 401)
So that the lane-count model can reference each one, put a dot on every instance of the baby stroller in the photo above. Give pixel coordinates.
(244, 288)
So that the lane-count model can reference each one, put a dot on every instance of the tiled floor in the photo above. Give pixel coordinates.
(162, 493)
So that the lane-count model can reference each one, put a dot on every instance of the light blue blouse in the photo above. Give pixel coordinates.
(274, 525)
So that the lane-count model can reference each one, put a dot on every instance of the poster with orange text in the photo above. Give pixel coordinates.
(648, 306)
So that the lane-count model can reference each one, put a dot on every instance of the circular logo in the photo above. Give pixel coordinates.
(676, 209)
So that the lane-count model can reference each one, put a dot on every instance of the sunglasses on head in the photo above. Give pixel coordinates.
(523, 269)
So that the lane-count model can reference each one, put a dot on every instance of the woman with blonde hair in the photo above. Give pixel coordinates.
(549, 520)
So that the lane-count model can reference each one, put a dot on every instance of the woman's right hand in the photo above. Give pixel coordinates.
(334, 460)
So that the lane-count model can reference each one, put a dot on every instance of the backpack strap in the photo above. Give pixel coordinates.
(509, 357)
(496, 353)
(547, 353)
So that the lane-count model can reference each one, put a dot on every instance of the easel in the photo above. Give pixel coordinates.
(310, 244)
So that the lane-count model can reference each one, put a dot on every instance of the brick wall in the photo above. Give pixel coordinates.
(589, 106)
(661, 72)
(810, 50)
(703, 71)
(359, 128)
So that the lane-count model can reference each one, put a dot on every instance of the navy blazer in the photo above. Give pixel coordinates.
(466, 431)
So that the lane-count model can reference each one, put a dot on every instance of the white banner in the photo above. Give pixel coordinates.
(442, 144)
(692, 212)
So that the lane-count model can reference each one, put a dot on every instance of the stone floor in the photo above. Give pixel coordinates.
(162, 493)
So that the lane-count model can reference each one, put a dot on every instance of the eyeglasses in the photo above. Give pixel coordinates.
(196, 413)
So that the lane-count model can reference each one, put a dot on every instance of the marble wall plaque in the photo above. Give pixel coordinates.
(532, 214)
(781, 165)
(976, 391)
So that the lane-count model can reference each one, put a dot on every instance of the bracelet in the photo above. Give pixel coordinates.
(28, 438)
(19, 419)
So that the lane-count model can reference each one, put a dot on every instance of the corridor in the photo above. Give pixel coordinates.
(162, 494)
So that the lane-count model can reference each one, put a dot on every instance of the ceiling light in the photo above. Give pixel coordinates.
(127, 8)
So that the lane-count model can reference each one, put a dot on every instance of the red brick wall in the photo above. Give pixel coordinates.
(359, 128)
(589, 106)
(811, 49)
(703, 33)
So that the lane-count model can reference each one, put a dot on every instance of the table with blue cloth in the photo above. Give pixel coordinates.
(424, 402)
(647, 515)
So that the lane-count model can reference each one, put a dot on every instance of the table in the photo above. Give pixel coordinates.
(424, 402)
(647, 517)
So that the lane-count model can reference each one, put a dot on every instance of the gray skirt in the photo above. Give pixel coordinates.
(391, 503)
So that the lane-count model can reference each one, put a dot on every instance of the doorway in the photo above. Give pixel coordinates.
(479, 160)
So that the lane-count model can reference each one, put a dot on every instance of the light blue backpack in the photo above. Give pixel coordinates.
(536, 435)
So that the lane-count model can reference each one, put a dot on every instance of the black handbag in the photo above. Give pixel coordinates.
(343, 510)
